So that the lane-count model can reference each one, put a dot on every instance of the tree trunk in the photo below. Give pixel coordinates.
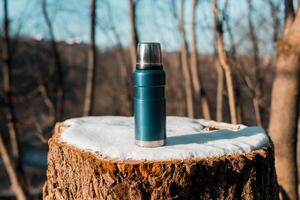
(220, 91)
(59, 86)
(198, 90)
(185, 65)
(16, 181)
(285, 108)
(133, 30)
(7, 86)
(220, 75)
(224, 63)
(76, 172)
(257, 82)
(92, 63)
(12, 165)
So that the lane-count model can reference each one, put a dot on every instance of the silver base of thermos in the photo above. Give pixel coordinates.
(156, 143)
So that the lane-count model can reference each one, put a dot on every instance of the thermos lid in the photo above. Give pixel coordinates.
(149, 55)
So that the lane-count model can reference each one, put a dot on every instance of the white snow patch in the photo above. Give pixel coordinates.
(113, 138)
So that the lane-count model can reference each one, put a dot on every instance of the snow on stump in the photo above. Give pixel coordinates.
(96, 158)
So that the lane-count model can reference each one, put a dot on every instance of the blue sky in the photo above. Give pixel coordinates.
(155, 22)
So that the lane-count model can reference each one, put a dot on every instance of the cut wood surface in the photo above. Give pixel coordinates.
(95, 158)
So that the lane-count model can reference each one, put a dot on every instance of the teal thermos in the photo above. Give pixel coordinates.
(149, 96)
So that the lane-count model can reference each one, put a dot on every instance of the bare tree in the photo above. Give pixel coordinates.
(126, 70)
(12, 174)
(92, 63)
(198, 90)
(257, 82)
(233, 59)
(244, 79)
(226, 19)
(133, 30)
(225, 65)
(185, 64)
(285, 104)
(59, 86)
(122, 58)
(7, 86)
(220, 74)
(13, 166)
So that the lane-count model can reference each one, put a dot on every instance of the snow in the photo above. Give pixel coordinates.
(112, 137)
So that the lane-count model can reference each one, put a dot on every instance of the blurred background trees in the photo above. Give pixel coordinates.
(63, 59)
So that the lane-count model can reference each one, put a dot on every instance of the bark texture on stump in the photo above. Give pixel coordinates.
(74, 173)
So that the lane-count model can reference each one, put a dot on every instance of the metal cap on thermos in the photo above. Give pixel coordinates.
(148, 55)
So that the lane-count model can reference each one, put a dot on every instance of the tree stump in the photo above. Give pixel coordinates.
(95, 158)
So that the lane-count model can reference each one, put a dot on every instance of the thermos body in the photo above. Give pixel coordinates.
(149, 106)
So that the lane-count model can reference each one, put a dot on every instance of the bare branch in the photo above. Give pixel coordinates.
(59, 87)
(39, 132)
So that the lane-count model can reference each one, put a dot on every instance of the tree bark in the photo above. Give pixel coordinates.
(285, 108)
(92, 63)
(59, 86)
(133, 31)
(196, 81)
(224, 63)
(74, 173)
(185, 65)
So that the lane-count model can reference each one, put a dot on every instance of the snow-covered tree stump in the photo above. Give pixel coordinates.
(96, 158)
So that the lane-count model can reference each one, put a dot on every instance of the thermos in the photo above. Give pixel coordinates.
(149, 96)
